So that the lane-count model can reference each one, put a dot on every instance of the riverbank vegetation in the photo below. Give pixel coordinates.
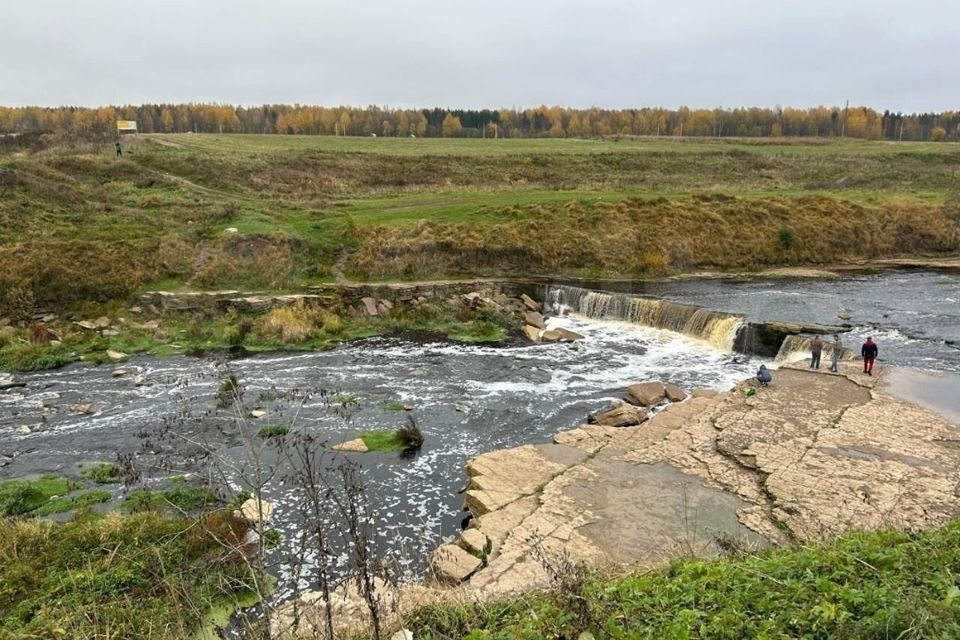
(146, 576)
(860, 586)
(36, 345)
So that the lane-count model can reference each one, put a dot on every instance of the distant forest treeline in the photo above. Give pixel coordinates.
(540, 122)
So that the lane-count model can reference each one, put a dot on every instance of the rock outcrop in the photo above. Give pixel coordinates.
(809, 457)
(620, 414)
(645, 394)
(674, 393)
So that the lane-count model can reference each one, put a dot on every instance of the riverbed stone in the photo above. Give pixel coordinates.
(370, 306)
(560, 334)
(532, 333)
(645, 394)
(451, 564)
(620, 414)
(674, 393)
(529, 302)
(10, 383)
(534, 318)
(473, 541)
(352, 446)
(116, 355)
(254, 512)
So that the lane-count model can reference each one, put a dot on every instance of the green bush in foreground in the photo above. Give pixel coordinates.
(179, 498)
(878, 585)
(134, 577)
(103, 473)
(22, 497)
(273, 431)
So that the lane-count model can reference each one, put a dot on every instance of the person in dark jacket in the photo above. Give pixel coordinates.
(869, 352)
(816, 350)
(764, 377)
(119, 148)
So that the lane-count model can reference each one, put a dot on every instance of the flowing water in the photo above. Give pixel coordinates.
(467, 399)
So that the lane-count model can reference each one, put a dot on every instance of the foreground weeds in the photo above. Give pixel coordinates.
(860, 586)
(139, 576)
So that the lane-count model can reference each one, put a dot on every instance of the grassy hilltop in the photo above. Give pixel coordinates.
(77, 223)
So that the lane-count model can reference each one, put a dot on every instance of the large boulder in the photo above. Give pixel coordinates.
(370, 306)
(620, 414)
(645, 394)
(253, 511)
(559, 334)
(352, 446)
(451, 564)
(530, 303)
(531, 332)
(675, 393)
(534, 318)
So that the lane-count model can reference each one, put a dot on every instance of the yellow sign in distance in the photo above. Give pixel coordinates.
(126, 125)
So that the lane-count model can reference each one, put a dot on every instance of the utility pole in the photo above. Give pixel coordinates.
(843, 125)
(901, 131)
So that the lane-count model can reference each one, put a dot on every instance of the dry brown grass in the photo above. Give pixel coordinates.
(643, 236)
(298, 323)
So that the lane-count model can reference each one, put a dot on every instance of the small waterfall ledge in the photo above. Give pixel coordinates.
(725, 331)
(715, 327)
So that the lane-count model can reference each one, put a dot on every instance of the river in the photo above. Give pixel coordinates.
(467, 399)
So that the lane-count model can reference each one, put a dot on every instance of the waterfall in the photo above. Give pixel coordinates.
(717, 328)
(797, 347)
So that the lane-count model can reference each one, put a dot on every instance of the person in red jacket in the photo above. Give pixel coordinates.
(869, 352)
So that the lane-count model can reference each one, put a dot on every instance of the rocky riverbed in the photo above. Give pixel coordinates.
(813, 455)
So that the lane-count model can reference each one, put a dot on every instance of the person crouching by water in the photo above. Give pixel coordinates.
(869, 352)
(816, 348)
(764, 377)
(836, 350)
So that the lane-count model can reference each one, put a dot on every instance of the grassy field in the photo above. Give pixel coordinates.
(76, 223)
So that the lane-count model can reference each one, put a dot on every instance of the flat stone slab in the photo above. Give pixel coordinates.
(473, 541)
(451, 564)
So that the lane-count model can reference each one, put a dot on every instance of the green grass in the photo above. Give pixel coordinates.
(383, 441)
(26, 496)
(103, 473)
(142, 576)
(878, 585)
(179, 498)
(479, 331)
(34, 357)
(70, 503)
(393, 407)
(273, 431)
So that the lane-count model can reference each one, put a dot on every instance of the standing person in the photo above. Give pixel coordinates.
(119, 149)
(869, 352)
(836, 350)
(816, 348)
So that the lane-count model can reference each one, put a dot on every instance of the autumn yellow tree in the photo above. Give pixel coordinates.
(451, 126)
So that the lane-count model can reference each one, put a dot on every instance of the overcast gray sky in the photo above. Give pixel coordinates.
(497, 53)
